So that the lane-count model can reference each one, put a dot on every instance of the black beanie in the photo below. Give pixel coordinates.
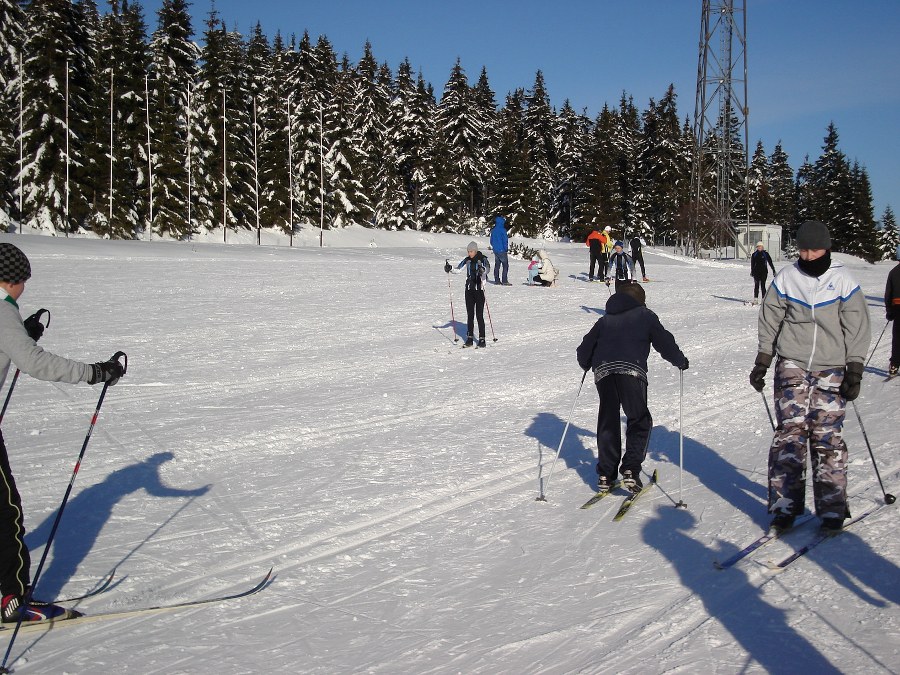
(812, 235)
(14, 265)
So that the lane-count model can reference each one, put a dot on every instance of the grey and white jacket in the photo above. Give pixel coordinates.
(816, 322)
(17, 347)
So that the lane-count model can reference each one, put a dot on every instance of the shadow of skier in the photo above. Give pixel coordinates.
(714, 472)
(88, 512)
(761, 630)
(547, 429)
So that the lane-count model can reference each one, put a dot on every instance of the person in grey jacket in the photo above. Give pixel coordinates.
(815, 324)
(18, 346)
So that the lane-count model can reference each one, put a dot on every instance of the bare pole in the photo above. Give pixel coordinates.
(67, 150)
(224, 171)
(290, 170)
(188, 123)
(149, 157)
(256, 174)
(321, 180)
(21, 139)
(111, 84)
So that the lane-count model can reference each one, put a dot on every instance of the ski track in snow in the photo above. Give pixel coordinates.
(307, 408)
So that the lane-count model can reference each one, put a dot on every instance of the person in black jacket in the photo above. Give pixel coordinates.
(637, 255)
(477, 267)
(759, 271)
(617, 348)
(891, 308)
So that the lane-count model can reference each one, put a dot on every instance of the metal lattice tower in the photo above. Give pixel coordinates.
(719, 170)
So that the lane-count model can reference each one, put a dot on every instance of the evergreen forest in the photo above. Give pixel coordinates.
(109, 127)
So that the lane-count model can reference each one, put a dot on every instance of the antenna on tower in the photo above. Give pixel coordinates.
(720, 167)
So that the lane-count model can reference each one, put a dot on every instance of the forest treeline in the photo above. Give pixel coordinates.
(122, 131)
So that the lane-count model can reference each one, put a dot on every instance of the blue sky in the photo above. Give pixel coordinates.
(810, 62)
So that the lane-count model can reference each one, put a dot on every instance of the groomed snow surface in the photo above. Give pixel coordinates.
(307, 408)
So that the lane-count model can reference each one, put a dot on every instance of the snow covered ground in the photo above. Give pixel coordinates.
(307, 408)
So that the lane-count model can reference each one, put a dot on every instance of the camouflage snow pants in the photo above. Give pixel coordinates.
(810, 410)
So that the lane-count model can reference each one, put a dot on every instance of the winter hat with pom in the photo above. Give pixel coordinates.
(472, 246)
(759, 244)
(14, 265)
(813, 235)
(619, 244)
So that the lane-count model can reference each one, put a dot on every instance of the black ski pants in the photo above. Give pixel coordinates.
(638, 259)
(474, 308)
(629, 393)
(759, 286)
(597, 259)
(15, 563)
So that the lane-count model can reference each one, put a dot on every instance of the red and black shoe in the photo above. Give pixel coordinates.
(38, 610)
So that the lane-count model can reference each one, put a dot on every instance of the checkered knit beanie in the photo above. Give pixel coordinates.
(14, 265)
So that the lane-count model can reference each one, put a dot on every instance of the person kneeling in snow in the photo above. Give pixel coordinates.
(626, 332)
(547, 272)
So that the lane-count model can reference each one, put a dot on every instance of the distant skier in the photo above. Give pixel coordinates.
(500, 246)
(621, 267)
(595, 241)
(477, 267)
(891, 308)
(815, 325)
(18, 345)
(616, 348)
(637, 255)
(760, 262)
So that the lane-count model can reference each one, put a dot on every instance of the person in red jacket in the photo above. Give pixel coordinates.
(596, 241)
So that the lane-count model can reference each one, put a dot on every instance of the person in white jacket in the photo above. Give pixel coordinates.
(18, 346)
(814, 324)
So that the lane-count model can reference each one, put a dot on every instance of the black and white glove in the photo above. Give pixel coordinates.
(758, 374)
(106, 371)
(447, 266)
(852, 381)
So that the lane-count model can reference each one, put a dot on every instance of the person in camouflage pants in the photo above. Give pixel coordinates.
(814, 325)
(808, 408)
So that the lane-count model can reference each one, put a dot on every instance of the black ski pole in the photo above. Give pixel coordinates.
(37, 317)
(447, 269)
(888, 497)
(29, 593)
(876, 344)
(768, 410)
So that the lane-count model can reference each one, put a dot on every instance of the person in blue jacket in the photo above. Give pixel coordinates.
(500, 245)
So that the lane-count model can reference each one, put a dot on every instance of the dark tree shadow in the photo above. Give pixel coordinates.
(713, 471)
(761, 630)
(86, 514)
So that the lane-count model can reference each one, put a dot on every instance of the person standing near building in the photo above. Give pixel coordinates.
(891, 309)
(814, 325)
(637, 255)
(500, 246)
(760, 262)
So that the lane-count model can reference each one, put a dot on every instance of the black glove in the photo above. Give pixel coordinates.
(106, 371)
(888, 315)
(852, 380)
(757, 375)
(683, 366)
(447, 267)
(34, 326)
